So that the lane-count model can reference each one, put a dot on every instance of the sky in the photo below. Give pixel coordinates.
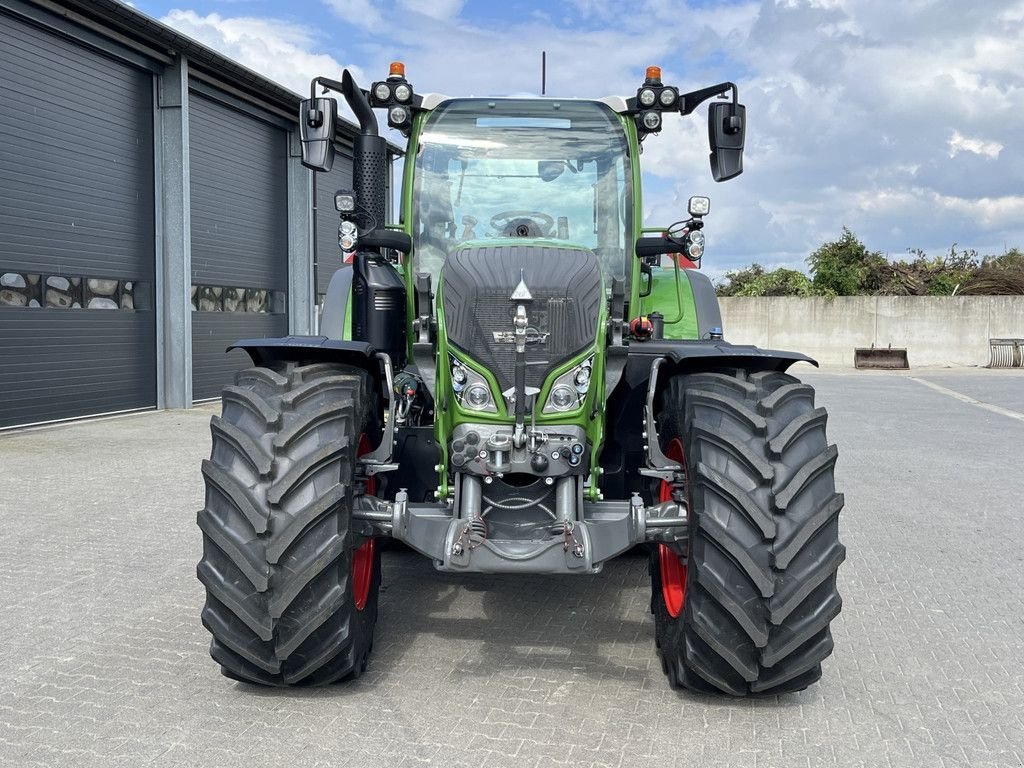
(902, 120)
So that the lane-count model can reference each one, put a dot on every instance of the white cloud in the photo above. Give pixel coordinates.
(959, 143)
(864, 113)
(361, 13)
(277, 49)
(436, 9)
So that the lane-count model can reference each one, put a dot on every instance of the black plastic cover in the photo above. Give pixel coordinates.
(309, 349)
(565, 284)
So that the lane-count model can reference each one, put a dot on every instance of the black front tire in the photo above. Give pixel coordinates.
(278, 545)
(763, 550)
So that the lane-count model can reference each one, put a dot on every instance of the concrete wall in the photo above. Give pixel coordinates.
(935, 330)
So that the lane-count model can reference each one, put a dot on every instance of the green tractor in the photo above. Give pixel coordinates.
(520, 378)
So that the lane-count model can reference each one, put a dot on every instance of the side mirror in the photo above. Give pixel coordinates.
(726, 130)
(317, 118)
(549, 170)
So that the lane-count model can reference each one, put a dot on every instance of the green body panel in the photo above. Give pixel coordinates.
(591, 417)
(672, 295)
(448, 414)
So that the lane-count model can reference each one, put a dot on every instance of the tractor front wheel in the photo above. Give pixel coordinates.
(745, 606)
(291, 591)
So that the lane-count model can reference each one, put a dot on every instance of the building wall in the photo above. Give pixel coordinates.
(112, 243)
(935, 330)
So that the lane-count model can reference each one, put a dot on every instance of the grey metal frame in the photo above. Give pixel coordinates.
(174, 239)
(598, 531)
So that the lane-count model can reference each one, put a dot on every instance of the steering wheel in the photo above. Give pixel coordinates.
(523, 223)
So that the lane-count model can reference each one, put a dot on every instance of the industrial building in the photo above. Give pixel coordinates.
(153, 209)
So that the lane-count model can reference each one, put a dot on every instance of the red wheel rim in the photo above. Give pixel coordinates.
(362, 558)
(673, 572)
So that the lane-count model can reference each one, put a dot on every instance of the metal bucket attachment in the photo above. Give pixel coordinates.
(887, 358)
(1006, 353)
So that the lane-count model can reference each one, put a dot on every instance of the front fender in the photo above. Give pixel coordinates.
(623, 451)
(690, 356)
(311, 349)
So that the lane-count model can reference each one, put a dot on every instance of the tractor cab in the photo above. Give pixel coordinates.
(552, 172)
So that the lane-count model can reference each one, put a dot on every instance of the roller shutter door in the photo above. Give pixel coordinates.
(77, 326)
(328, 255)
(239, 208)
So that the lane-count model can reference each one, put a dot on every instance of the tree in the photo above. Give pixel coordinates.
(843, 267)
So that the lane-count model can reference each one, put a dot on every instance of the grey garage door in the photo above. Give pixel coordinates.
(328, 255)
(239, 205)
(77, 328)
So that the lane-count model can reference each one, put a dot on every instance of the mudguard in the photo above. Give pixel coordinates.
(339, 292)
(698, 355)
(623, 452)
(311, 349)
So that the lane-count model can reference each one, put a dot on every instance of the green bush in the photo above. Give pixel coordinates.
(843, 267)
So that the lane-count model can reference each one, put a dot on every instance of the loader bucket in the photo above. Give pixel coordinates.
(888, 358)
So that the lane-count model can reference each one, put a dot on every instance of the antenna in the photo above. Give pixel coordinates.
(543, 72)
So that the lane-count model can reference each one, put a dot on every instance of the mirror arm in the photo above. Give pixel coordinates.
(354, 96)
(656, 246)
(326, 83)
(690, 101)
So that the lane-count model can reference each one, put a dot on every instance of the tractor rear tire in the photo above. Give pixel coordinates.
(745, 607)
(291, 591)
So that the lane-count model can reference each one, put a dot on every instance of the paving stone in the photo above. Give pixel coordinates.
(108, 664)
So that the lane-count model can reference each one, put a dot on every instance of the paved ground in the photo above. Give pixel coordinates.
(105, 661)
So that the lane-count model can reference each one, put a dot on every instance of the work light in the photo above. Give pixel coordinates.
(699, 205)
(651, 120)
(345, 201)
(403, 92)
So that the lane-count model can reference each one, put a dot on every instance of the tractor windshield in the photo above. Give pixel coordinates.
(522, 168)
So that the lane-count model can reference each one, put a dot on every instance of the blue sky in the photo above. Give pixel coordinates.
(901, 120)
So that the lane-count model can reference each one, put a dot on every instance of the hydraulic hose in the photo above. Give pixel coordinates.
(679, 296)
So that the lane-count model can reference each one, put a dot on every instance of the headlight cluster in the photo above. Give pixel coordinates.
(348, 234)
(653, 97)
(396, 96)
(471, 388)
(570, 389)
(695, 245)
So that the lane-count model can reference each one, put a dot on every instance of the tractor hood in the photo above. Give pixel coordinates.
(560, 288)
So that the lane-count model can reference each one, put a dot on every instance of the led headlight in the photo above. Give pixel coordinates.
(699, 205)
(582, 379)
(382, 92)
(471, 389)
(695, 249)
(403, 92)
(651, 120)
(570, 389)
(647, 97)
(398, 116)
(347, 236)
(668, 97)
(477, 397)
(458, 378)
(344, 201)
(562, 398)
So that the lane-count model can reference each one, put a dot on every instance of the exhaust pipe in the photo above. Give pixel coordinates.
(378, 293)
(369, 156)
